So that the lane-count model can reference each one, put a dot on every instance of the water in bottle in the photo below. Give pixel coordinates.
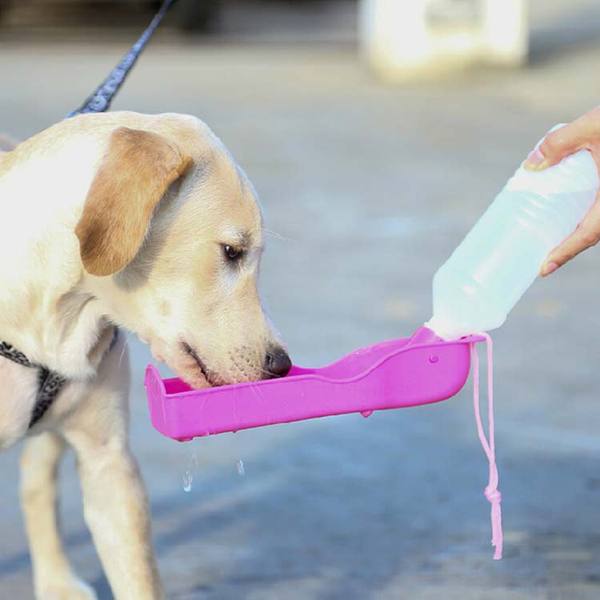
(501, 256)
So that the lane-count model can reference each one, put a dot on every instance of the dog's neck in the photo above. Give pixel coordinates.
(44, 312)
(61, 333)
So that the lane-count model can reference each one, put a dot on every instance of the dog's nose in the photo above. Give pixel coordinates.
(277, 362)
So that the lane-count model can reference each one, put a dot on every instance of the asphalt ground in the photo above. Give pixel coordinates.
(366, 190)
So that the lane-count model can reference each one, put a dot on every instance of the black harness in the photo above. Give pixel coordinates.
(51, 383)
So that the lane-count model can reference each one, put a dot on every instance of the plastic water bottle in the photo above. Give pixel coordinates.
(501, 256)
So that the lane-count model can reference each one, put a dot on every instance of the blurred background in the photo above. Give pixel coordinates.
(376, 132)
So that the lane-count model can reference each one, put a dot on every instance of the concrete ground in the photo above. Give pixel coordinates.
(366, 190)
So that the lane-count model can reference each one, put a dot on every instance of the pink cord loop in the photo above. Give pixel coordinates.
(492, 495)
(491, 491)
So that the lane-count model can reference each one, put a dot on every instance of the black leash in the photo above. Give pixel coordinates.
(101, 99)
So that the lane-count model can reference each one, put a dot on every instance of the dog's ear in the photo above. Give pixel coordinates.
(133, 176)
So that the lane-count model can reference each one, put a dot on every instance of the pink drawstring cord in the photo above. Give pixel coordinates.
(489, 447)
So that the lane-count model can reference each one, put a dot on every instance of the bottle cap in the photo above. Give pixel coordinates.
(446, 329)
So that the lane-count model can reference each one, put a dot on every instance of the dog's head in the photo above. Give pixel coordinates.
(171, 239)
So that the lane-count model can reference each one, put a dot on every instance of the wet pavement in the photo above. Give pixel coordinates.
(366, 190)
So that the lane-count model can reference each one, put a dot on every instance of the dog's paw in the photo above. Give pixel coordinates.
(71, 589)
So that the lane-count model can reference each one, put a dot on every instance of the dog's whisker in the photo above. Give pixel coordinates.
(276, 235)
(261, 370)
(236, 364)
(122, 354)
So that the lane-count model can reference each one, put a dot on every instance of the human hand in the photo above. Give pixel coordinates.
(581, 134)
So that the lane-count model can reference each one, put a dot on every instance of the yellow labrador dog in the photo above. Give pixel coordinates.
(136, 221)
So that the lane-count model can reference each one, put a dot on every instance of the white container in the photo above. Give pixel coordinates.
(502, 255)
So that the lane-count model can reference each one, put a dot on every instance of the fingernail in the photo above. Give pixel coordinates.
(536, 161)
(549, 268)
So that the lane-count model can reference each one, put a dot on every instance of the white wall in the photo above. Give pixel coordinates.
(407, 38)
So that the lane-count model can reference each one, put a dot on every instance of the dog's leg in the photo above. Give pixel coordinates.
(114, 499)
(53, 577)
(116, 511)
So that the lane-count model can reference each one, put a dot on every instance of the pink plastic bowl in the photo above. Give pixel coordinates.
(394, 374)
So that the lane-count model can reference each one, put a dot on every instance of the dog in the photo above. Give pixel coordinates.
(117, 221)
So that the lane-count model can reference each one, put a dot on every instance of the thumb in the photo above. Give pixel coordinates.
(557, 145)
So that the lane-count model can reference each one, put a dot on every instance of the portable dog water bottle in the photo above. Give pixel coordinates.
(501, 256)
(406, 372)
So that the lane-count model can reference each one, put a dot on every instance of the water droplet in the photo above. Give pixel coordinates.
(194, 461)
(240, 468)
(187, 481)
(433, 358)
(366, 413)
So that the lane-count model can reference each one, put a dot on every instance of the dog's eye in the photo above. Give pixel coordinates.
(232, 253)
